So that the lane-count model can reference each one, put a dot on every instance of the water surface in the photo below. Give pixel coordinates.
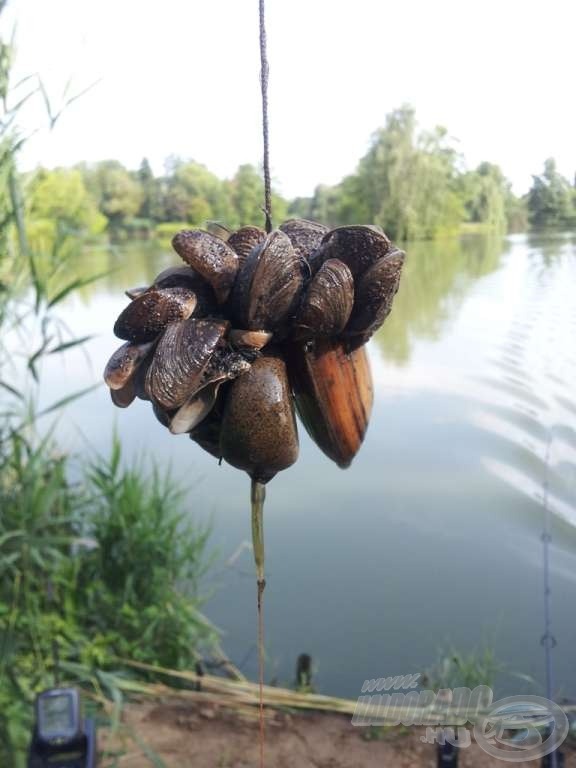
(432, 537)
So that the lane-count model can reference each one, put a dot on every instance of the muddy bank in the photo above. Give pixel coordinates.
(203, 736)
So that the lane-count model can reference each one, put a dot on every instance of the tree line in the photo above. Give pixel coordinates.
(412, 183)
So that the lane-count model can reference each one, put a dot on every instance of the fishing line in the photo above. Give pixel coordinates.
(265, 132)
(548, 640)
(258, 491)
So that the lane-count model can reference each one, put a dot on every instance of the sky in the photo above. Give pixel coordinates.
(181, 77)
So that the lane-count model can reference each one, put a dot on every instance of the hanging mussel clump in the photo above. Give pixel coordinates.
(253, 327)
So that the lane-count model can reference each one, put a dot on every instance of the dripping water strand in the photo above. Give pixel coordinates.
(257, 496)
(265, 133)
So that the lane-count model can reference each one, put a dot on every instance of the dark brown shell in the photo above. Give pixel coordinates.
(133, 293)
(123, 364)
(209, 256)
(124, 396)
(375, 291)
(333, 390)
(186, 277)
(180, 360)
(328, 302)
(140, 376)
(149, 314)
(357, 246)
(259, 433)
(268, 287)
(163, 416)
(245, 239)
(304, 235)
(207, 433)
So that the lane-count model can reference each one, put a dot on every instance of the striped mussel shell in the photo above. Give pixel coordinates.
(153, 311)
(305, 236)
(269, 286)
(327, 303)
(180, 360)
(211, 257)
(244, 240)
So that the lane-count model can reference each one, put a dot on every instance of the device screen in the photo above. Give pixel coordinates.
(56, 714)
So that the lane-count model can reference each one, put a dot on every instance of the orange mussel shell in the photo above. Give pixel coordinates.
(334, 393)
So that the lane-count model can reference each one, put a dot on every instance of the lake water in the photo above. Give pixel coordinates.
(432, 537)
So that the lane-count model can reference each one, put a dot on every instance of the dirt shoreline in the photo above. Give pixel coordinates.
(205, 736)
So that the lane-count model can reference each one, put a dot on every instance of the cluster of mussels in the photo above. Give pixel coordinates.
(253, 325)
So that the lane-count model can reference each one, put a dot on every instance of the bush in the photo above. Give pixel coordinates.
(89, 574)
(137, 589)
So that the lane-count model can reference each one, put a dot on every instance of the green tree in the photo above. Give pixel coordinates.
(247, 195)
(151, 207)
(60, 196)
(196, 195)
(118, 195)
(486, 193)
(407, 182)
(551, 199)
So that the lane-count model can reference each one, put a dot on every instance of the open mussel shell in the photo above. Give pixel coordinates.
(149, 314)
(334, 394)
(259, 433)
(268, 287)
(304, 235)
(209, 256)
(180, 360)
(194, 410)
(124, 363)
(357, 246)
(245, 239)
(223, 366)
(375, 291)
(328, 302)
(124, 396)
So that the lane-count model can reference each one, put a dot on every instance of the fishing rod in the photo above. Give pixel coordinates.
(548, 641)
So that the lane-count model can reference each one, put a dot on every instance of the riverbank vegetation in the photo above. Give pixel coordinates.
(411, 182)
(98, 563)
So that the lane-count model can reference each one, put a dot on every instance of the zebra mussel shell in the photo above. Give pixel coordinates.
(151, 312)
(209, 256)
(357, 246)
(375, 291)
(244, 240)
(269, 285)
(305, 236)
(180, 360)
(124, 363)
(328, 302)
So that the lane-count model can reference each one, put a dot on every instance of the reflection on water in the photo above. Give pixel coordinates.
(433, 535)
(437, 277)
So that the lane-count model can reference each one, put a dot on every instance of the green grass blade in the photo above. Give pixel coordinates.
(66, 400)
(74, 286)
